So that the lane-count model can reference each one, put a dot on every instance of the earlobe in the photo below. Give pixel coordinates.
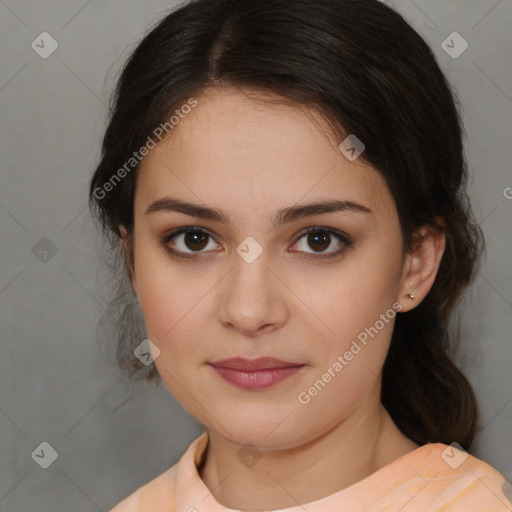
(421, 267)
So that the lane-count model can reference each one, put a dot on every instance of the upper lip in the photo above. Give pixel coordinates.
(262, 363)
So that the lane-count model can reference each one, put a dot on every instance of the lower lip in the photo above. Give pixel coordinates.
(259, 379)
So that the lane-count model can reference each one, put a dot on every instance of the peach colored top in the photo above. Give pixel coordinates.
(434, 477)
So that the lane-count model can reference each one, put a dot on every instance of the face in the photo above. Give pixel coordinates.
(304, 290)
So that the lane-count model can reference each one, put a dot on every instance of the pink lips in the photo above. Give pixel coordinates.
(255, 373)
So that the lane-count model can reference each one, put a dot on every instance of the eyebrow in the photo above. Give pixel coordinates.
(284, 216)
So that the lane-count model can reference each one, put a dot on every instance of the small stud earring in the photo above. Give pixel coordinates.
(411, 296)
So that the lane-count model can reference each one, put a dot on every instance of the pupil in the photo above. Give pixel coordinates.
(320, 240)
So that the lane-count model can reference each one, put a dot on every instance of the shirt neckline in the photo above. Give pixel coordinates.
(190, 479)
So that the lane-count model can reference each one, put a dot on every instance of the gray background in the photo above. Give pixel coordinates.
(58, 384)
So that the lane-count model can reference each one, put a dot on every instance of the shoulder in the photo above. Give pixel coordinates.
(458, 479)
(157, 495)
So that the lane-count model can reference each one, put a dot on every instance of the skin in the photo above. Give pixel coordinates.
(251, 158)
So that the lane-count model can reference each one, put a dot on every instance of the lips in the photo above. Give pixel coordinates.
(255, 374)
(252, 365)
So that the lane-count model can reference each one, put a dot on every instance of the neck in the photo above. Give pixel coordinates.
(361, 444)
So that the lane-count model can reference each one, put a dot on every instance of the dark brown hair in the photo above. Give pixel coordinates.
(367, 72)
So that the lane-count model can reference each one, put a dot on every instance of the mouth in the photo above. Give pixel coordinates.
(254, 374)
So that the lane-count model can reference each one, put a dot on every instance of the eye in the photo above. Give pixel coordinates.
(187, 240)
(321, 239)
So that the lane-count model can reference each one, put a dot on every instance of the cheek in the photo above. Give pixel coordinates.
(350, 298)
(177, 309)
(175, 319)
(351, 337)
(174, 307)
(346, 364)
(356, 306)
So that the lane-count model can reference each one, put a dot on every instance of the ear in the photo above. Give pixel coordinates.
(421, 266)
(127, 245)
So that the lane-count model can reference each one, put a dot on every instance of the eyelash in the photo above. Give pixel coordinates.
(343, 238)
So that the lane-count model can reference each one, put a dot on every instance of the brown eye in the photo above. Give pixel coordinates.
(320, 240)
(187, 241)
(190, 242)
(196, 240)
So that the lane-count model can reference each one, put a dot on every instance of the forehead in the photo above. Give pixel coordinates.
(246, 149)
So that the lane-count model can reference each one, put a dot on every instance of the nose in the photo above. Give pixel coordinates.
(254, 299)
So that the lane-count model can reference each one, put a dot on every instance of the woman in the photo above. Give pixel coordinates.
(286, 182)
